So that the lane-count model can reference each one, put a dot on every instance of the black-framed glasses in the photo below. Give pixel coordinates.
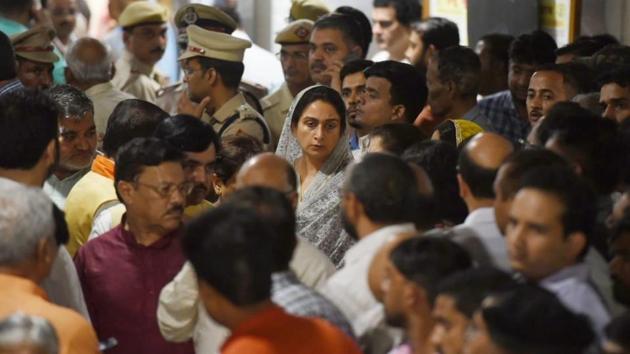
(167, 190)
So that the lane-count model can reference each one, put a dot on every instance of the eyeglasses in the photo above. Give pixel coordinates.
(297, 56)
(167, 190)
(188, 72)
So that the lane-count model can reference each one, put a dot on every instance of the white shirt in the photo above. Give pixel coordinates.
(572, 287)
(58, 189)
(348, 288)
(483, 222)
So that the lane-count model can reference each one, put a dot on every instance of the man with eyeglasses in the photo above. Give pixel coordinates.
(123, 270)
(144, 34)
(294, 59)
(35, 57)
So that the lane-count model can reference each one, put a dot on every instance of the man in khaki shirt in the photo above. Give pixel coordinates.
(213, 67)
(144, 35)
(90, 69)
(294, 60)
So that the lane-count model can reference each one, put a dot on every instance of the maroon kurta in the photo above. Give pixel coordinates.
(121, 281)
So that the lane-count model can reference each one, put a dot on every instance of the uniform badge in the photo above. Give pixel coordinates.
(301, 32)
(190, 17)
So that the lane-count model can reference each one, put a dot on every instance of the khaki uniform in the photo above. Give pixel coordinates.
(138, 79)
(168, 97)
(35, 45)
(236, 117)
(105, 98)
(276, 107)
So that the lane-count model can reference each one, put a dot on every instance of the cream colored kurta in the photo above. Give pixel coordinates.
(105, 98)
(138, 79)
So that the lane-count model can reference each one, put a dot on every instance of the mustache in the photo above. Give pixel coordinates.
(157, 50)
(176, 209)
(318, 65)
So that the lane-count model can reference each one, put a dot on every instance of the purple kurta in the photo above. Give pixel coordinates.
(121, 281)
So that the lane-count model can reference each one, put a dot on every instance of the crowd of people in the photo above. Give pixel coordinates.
(433, 199)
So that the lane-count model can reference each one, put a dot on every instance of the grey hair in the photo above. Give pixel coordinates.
(71, 102)
(20, 328)
(26, 217)
(89, 72)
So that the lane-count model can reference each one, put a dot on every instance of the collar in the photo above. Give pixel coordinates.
(369, 244)
(283, 279)
(577, 271)
(130, 240)
(21, 285)
(480, 216)
(271, 314)
(70, 179)
(136, 66)
(100, 88)
(229, 107)
(103, 166)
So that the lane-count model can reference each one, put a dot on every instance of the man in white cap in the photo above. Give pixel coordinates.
(144, 34)
(213, 67)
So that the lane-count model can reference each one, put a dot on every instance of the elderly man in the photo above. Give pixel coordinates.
(35, 57)
(90, 68)
(123, 271)
(77, 142)
(293, 40)
(27, 230)
(392, 21)
(144, 35)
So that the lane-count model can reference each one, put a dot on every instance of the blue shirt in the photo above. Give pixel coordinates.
(10, 86)
(504, 117)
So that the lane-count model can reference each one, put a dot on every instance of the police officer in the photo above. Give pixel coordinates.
(206, 17)
(144, 34)
(294, 59)
(213, 67)
(35, 57)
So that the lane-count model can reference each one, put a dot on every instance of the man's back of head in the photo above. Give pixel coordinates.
(438, 32)
(534, 48)
(187, 133)
(130, 119)
(407, 86)
(26, 224)
(478, 164)
(89, 63)
(268, 170)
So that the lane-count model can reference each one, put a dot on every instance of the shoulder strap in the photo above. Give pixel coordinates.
(231, 119)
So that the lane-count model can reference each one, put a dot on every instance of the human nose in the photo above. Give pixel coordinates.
(609, 112)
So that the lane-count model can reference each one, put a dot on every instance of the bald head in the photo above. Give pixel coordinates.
(267, 170)
(478, 164)
(89, 61)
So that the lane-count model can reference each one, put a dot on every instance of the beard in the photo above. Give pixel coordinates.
(348, 226)
(621, 292)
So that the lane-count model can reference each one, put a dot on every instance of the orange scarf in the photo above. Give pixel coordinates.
(103, 166)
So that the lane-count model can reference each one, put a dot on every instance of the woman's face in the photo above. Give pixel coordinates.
(318, 130)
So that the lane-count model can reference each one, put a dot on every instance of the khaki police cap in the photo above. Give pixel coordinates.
(35, 44)
(297, 32)
(308, 9)
(215, 45)
(141, 12)
(195, 14)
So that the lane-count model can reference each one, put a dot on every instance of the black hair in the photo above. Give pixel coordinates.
(352, 23)
(534, 48)
(575, 195)
(130, 119)
(231, 72)
(469, 287)
(11, 6)
(617, 330)
(62, 235)
(71, 102)
(427, 260)
(407, 11)
(498, 45)
(231, 250)
(580, 48)
(624, 137)
(408, 85)
(321, 93)
(533, 320)
(28, 123)
(611, 56)
(7, 58)
(386, 188)
(461, 66)
(587, 140)
(479, 179)
(235, 150)
(439, 160)
(354, 66)
(273, 207)
(576, 75)
(187, 133)
(522, 161)
(437, 31)
(139, 153)
(397, 137)
(618, 75)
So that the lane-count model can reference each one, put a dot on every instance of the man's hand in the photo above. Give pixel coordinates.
(186, 106)
(334, 70)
